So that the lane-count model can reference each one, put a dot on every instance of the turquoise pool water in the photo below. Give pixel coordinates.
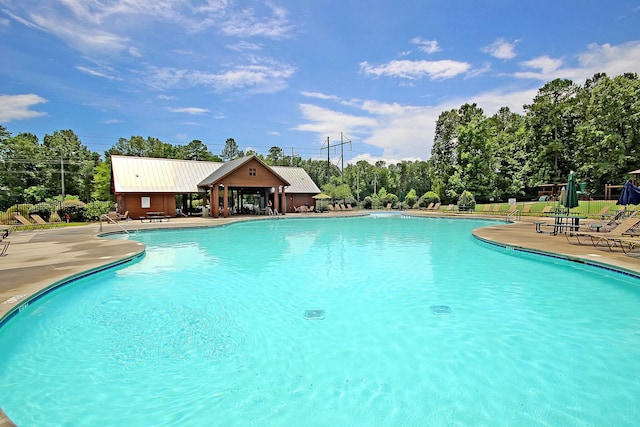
(209, 328)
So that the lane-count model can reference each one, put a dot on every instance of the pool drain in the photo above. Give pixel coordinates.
(441, 309)
(314, 314)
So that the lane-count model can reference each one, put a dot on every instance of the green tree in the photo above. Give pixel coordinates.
(23, 167)
(71, 170)
(230, 150)
(196, 150)
(551, 122)
(609, 135)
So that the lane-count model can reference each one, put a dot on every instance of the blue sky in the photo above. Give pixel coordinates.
(292, 73)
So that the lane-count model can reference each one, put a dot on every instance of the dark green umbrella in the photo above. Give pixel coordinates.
(570, 199)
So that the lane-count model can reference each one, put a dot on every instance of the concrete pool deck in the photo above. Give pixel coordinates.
(37, 259)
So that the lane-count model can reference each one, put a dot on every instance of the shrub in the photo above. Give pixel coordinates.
(428, 198)
(411, 198)
(95, 209)
(76, 210)
(466, 201)
(22, 209)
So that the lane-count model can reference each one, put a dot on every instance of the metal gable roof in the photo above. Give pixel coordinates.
(153, 175)
(299, 179)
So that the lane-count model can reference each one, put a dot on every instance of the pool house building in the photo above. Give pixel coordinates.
(244, 185)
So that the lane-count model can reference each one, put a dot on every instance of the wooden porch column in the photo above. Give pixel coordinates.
(276, 199)
(214, 201)
(284, 202)
(225, 202)
(210, 198)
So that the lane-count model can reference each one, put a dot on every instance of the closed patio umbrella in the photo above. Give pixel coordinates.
(630, 195)
(570, 199)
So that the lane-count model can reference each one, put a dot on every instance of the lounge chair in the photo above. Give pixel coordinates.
(526, 208)
(24, 221)
(620, 231)
(430, 206)
(349, 207)
(389, 205)
(436, 206)
(449, 207)
(4, 246)
(496, 208)
(486, 208)
(330, 207)
(547, 210)
(310, 208)
(38, 219)
(603, 212)
(124, 216)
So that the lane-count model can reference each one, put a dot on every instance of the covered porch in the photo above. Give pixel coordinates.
(245, 185)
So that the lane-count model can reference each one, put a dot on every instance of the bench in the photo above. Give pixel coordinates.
(562, 228)
(154, 218)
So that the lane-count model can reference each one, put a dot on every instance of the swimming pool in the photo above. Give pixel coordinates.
(421, 325)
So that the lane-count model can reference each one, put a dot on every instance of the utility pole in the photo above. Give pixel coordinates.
(341, 144)
(62, 174)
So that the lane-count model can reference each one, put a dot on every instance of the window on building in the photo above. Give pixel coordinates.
(145, 202)
(252, 171)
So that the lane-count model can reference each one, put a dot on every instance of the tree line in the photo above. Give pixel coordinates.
(592, 129)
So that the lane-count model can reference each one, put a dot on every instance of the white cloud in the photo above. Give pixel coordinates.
(606, 58)
(406, 69)
(243, 46)
(268, 76)
(111, 121)
(244, 23)
(326, 122)
(544, 63)
(319, 95)
(611, 59)
(501, 49)
(189, 110)
(107, 26)
(428, 46)
(399, 132)
(18, 107)
(99, 70)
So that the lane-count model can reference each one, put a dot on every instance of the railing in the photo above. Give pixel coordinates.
(110, 220)
(514, 214)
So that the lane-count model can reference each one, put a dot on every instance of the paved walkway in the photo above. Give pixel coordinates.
(40, 258)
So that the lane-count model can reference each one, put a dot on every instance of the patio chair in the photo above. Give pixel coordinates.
(310, 208)
(449, 207)
(496, 208)
(486, 208)
(24, 221)
(430, 206)
(330, 207)
(389, 205)
(124, 216)
(436, 206)
(526, 208)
